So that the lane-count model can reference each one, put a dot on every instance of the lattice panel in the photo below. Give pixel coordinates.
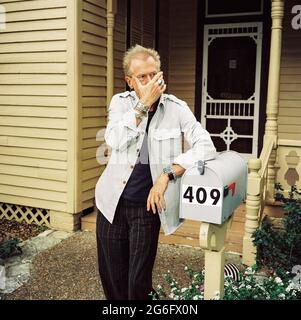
(23, 213)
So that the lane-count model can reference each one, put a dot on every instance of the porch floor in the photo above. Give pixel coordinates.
(188, 233)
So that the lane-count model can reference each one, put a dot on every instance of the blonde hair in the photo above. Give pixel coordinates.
(139, 51)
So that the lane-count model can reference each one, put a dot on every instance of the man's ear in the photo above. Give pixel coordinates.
(129, 81)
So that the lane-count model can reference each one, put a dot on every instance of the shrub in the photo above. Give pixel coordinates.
(280, 248)
(10, 248)
(195, 290)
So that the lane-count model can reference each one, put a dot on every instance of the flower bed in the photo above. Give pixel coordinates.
(251, 286)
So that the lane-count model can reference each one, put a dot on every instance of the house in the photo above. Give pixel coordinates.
(236, 63)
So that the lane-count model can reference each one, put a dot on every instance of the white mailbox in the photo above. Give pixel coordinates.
(211, 191)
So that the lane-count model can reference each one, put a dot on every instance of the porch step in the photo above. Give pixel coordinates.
(88, 222)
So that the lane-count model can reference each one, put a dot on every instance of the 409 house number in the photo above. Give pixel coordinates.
(205, 196)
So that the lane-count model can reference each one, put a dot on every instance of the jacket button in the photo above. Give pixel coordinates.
(132, 167)
(124, 182)
(138, 150)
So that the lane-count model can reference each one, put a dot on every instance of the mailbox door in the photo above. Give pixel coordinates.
(201, 196)
(236, 193)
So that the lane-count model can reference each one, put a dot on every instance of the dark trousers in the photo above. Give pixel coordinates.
(127, 250)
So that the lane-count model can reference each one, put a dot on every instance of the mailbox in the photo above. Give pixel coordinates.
(212, 190)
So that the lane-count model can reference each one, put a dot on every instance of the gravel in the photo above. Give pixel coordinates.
(68, 271)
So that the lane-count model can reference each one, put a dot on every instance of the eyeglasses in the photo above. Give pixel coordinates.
(144, 77)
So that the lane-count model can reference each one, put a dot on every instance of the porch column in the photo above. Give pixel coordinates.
(253, 202)
(271, 126)
(111, 10)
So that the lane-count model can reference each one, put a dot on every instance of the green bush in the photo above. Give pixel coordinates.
(280, 248)
(10, 248)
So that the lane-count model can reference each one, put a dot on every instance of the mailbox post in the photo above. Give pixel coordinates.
(210, 192)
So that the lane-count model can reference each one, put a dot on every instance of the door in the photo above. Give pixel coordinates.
(231, 85)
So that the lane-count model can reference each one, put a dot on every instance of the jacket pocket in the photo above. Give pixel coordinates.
(168, 143)
(164, 134)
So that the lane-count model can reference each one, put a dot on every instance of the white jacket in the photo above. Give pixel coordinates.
(172, 117)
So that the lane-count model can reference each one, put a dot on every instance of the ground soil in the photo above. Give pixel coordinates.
(11, 229)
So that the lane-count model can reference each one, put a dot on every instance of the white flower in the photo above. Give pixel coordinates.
(248, 287)
(184, 289)
(171, 295)
(249, 270)
(281, 296)
(159, 286)
(186, 268)
(278, 280)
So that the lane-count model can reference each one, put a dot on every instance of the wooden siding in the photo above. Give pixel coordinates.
(289, 120)
(120, 32)
(163, 37)
(93, 93)
(143, 23)
(182, 50)
(33, 104)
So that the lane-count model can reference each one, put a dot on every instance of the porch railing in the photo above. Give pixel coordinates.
(258, 192)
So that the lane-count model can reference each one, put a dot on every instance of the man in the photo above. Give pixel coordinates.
(140, 184)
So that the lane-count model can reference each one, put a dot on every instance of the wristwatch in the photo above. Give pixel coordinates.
(142, 107)
(139, 115)
(170, 173)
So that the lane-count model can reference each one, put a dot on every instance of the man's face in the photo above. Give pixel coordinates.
(142, 68)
